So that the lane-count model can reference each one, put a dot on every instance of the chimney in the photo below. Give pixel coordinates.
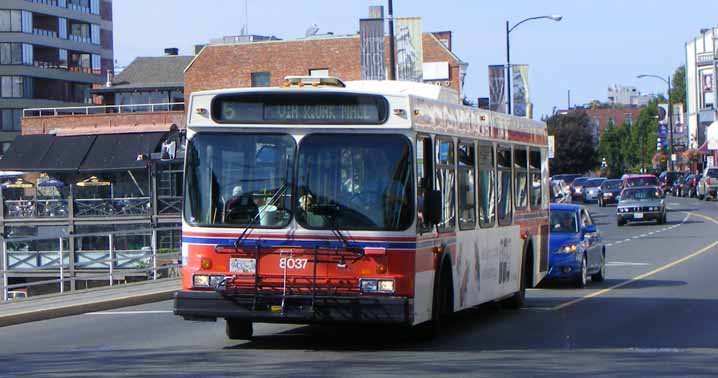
(171, 51)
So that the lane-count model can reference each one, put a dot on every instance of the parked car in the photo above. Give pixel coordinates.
(641, 203)
(577, 188)
(560, 192)
(689, 185)
(708, 185)
(577, 249)
(610, 192)
(16, 294)
(592, 189)
(666, 180)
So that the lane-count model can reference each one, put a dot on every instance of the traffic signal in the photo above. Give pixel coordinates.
(659, 144)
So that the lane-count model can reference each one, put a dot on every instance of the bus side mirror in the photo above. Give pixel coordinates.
(432, 207)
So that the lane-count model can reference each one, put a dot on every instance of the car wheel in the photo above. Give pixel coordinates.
(601, 274)
(620, 223)
(239, 329)
(582, 277)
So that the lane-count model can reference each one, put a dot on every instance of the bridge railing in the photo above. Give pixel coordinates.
(94, 264)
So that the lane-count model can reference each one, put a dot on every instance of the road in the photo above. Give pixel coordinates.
(655, 315)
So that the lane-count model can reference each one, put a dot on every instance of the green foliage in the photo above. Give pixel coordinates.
(630, 148)
(574, 149)
(678, 86)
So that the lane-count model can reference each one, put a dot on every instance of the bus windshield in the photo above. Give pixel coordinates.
(366, 181)
(239, 179)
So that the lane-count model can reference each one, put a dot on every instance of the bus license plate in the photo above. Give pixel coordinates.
(638, 215)
(242, 265)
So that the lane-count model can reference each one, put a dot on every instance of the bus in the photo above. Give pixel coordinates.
(360, 202)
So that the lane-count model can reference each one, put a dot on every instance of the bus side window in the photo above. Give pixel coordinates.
(536, 182)
(424, 177)
(467, 185)
(487, 185)
(446, 183)
(503, 168)
(521, 195)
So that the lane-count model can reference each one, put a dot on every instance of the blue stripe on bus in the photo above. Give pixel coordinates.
(297, 243)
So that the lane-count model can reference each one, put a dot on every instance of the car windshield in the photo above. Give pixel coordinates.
(611, 184)
(232, 178)
(640, 194)
(579, 181)
(356, 182)
(642, 181)
(563, 221)
(594, 183)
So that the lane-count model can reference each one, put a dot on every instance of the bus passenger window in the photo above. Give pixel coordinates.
(424, 168)
(446, 184)
(467, 186)
(503, 165)
(487, 185)
(521, 185)
(535, 173)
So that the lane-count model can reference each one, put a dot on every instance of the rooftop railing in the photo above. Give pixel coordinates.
(103, 109)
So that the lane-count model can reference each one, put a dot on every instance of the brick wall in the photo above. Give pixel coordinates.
(602, 115)
(231, 66)
(42, 125)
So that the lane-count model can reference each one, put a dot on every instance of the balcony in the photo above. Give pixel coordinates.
(44, 33)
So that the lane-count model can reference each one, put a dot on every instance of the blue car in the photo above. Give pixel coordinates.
(576, 248)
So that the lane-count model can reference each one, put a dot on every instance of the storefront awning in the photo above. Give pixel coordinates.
(66, 153)
(26, 153)
(118, 152)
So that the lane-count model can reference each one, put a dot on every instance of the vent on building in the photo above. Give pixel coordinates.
(172, 51)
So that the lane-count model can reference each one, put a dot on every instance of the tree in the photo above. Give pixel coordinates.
(678, 86)
(610, 147)
(642, 138)
(575, 151)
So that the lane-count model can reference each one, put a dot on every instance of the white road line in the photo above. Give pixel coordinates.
(609, 244)
(130, 312)
(626, 240)
(618, 242)
(622, 263)
(643, 236)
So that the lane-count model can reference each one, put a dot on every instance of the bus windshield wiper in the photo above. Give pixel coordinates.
(331, 211)
(261, 211)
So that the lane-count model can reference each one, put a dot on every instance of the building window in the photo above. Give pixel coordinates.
(319, 72)
(260, 79)
(15, 53)
(10, 120)
(11, 20)
(628, 120)
(12, 86)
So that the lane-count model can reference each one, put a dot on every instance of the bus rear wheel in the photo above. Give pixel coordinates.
(239, 329)
(517, 300)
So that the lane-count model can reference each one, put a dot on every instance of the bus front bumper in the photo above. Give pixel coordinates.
(210, 305)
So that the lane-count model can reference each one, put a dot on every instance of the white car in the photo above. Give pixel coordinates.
(708, 186)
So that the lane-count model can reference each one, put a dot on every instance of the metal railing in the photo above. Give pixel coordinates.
(169, 205)
(148, 260)
(35, 208)
(102, 207)
(103, 109)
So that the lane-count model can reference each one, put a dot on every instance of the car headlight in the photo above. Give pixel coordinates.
(568, 248)
(374, 286)
(200, 280)
(609, 194)
(622, 209)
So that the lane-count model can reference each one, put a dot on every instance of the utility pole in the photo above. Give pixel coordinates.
(670, 125)
(508, 70)
(392, 52)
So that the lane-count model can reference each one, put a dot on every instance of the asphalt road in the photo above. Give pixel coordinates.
(656, 315)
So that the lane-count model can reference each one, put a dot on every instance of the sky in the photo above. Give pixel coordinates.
(598, 43)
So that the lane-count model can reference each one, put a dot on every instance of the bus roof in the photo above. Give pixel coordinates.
(421, 107)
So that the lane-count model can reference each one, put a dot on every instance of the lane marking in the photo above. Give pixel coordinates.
(644, 275)
(623, 263)
(130, 312)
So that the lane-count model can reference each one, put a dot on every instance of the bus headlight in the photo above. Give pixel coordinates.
(200, 280)
(371, 285)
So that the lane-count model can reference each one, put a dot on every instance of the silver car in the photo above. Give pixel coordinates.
(641, 203)
(592, 189)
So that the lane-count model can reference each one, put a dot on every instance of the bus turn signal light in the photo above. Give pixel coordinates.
(206, 263)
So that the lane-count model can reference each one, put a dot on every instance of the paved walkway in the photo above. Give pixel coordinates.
(82, 301)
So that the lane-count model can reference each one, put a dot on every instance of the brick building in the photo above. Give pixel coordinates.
(602, 116)
(266, 63)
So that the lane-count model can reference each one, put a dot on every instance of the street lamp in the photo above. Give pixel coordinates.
(554, 17)
(670, 117)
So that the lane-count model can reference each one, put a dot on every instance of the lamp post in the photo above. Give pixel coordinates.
(392, 53)
(670, 117)
(553, 17)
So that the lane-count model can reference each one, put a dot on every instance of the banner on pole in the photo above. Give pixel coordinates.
(371, 36)
(409, 49)
(520, 90)
(497, 88)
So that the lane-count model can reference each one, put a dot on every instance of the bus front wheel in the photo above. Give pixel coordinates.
(239, 329)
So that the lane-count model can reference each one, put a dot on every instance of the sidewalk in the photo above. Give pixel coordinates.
(82, 301)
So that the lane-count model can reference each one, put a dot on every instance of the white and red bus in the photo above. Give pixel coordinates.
(326, 202)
